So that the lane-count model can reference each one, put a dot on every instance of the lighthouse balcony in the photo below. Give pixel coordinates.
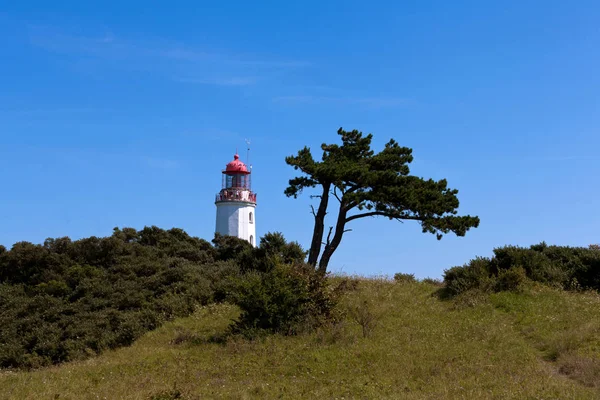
(236, 195)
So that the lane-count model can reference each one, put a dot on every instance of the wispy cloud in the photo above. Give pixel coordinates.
(557, 158)
(101, 45)
(160, 56)
(233, 81)
(86, 157)
(272, 63)
(377, 102)
(49, 111)
(186, 54)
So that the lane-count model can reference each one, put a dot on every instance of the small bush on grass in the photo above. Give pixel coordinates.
(184, 336)
(470, 298)
(474, 275)
(346, 284)
(333, 332)
(433, 281)
(363, 314)
(404, 278)
(287, 299)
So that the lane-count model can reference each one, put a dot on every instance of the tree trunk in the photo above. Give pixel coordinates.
(335, 242)
(317, 239)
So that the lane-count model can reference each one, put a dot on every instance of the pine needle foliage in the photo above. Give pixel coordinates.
(369, 184)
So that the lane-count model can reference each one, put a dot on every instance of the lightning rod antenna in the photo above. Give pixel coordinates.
(248, 153)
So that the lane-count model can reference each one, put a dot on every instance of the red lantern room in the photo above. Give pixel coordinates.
(236, 184)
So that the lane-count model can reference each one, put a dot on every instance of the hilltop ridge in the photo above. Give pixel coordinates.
(541, 343)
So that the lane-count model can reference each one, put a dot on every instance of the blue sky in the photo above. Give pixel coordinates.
(120, 114)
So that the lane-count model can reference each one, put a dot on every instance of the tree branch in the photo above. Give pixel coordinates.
(350, 205)
(383, 214)
(329, 236)
(353, 188)
(335, 194)
(313, 211)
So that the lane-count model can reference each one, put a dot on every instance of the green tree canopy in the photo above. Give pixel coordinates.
(368, 184)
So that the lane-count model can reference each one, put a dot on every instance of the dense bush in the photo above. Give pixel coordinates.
(67, 300)
(404, 278)
(510, 280)
(564, 267)
(473, 275)
(276, 291)
(288, 299)
(273, 250)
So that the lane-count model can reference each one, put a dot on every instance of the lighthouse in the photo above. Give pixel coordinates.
(236, 203)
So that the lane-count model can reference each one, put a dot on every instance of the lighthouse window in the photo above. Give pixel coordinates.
(252, 240)
(251, 218)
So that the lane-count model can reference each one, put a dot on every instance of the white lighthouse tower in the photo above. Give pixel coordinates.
(236, 203)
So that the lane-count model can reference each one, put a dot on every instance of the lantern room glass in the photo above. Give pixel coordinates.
(231, 181)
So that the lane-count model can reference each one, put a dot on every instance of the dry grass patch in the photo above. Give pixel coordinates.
(582, 369)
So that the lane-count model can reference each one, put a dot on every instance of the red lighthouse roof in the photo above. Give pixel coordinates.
(236, 166)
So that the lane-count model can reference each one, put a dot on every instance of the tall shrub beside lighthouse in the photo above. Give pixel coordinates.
(236, 203)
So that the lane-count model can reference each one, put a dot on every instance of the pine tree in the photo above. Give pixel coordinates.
(369, 184)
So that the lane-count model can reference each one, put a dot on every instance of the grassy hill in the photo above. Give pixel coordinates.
(542, 343)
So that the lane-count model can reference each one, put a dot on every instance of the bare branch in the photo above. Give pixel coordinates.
(329, 236)
(312, 208)
(347, 230)
(335, 194)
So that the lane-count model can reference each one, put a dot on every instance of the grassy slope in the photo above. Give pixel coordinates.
(541, 344)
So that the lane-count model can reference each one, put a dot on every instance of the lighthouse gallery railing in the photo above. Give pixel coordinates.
(236, 195)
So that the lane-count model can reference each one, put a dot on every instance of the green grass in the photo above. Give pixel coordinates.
(540, 344)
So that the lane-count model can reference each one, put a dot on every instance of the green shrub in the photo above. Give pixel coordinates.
(511, 279)
(287, 299)
(571, 268)
(474, 275)
(404, 278)
(433, 281)
(588, 273)
(538, 266)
